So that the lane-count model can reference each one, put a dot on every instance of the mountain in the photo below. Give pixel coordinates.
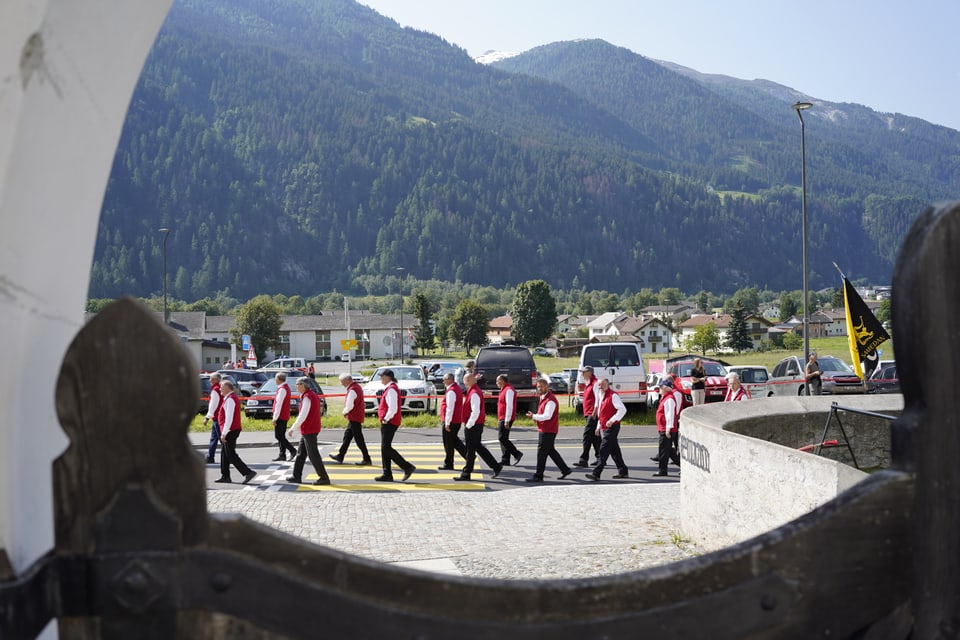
(296, 146)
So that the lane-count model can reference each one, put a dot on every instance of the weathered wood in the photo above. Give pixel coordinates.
(926, 438)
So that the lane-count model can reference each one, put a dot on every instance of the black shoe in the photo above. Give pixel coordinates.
(566, 473)
(294, 479)
(580, 463)
(505, 462)
(337, 457)
(621, 475)
(280, 458)
(462, 478)
(655, 458)
(224, 480)
(366, 462)
(535, 479)
(517, 455)
(322, 481)
(496, 472)
(408, 473)
(660, 473)
(384, 478)
(444, 467)
(250, 476)
(593, 476)
(211, 461)
(676, 464)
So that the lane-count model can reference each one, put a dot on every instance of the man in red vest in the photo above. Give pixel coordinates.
(281, 414)
(309, 424)
(506, 413)
(547, 419)
(475, 415)
(451, 419)
(668, 416)
(389, 414)
(229, 432)
(213, 414)
(353, 411)
(610, 411)
(590, 438)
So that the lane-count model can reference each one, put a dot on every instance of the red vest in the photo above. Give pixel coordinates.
(457, 404)
(215, 391)
(357, 413)
(662, 416)
(589, 398)
(553, 424)
(382, 409)
(474, 390)
(285, 409)
(502, 403)
(739, 394)
(232, 422)
(312, 423)
(607, 410)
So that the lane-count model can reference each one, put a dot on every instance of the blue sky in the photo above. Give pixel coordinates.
(892, 57)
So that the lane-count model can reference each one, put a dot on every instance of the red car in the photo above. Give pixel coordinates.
(716, 382)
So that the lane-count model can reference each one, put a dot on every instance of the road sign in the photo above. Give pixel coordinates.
(251, 358)
(246, 342)
(346, 345)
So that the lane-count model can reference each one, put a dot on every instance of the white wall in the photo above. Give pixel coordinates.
(67, 70)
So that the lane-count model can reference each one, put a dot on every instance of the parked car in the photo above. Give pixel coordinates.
(789, 377)
(517, 363)
(543, 351)
(755, 378)
(715, 384)
(653, 390)
(417, 392)
(436, 371)
(249, 381)
(260, 404)
(884, 379)
(622, 364)
(557, 384)
(300, 364)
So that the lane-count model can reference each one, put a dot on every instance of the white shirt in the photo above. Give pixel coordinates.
(305, 405)
(618, 404)
(474, 410)
(349, 401)
(214, 405)
(391, 393)
(282, 393)
(510, 394)
(450, 399)
(547, 412)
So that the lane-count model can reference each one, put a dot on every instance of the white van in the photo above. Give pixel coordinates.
(622, 364)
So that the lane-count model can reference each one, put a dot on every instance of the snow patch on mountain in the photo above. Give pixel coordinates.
(492, 56)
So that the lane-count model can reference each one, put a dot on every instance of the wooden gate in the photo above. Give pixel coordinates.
(137, 555)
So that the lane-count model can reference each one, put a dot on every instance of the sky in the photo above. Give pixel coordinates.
(894, 57)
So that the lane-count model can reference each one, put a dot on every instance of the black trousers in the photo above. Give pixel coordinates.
(280, 433)
(452, 443)
(590, 439)
(610, 448)
(229, 456)
(474, 441)
(546, 448)
(308, 447)
(354, 431)
(387, 453)
(668, 450)
(507, 448)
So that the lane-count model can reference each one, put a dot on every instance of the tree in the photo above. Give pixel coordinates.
(792, 341)
(425, 339)
(749, 297)
(884, 312)
(738, 337)
(259, 319)
(669, 296)
(469, 324)
(705, 338)
(703, 301)
(534, 312)
(789, 305)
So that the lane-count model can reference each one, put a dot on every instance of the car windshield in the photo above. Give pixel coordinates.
(834, 364)
(403, 374)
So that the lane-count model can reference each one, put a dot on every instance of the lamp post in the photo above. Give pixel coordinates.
(401, 271)
(166, 318)
(800, 107)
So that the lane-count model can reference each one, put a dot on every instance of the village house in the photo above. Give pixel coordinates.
(757, 328)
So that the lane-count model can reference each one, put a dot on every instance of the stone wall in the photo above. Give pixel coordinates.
(742, 474)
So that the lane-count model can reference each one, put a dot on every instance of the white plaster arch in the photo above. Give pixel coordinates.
(67, 71)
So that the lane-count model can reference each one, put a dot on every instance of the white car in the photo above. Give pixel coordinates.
(416, 390)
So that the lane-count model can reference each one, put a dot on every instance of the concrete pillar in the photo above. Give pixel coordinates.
(67, 71)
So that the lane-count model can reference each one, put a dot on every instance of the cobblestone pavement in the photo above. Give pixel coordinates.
(538, 532)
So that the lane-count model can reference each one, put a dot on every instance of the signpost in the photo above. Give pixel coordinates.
(251, 357)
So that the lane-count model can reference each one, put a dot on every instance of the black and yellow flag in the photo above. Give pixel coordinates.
(863, 330)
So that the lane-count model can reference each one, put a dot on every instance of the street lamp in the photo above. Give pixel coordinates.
(166, 317)
(401, 270)
(800, 107)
